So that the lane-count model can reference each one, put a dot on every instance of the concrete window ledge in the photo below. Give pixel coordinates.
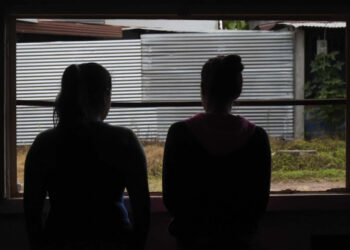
(300, 202)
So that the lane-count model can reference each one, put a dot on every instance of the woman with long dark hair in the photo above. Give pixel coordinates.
(216, 168)
(84, 165)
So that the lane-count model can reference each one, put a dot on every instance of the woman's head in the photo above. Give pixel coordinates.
(221, 81)
(85, 94)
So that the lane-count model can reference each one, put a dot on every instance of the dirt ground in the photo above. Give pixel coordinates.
(308, 186)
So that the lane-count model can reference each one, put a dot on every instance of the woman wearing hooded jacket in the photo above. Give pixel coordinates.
(216, 168)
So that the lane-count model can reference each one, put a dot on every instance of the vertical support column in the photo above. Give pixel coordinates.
(10, 163)
(299, 80)
(347, 108)
(2, 96)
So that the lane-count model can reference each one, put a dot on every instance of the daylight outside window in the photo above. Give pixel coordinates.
(156, 64)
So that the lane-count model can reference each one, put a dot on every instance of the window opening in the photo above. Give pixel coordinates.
(156, 76)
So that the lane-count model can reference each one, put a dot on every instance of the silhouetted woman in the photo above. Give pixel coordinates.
(216, 169)
(85, 165)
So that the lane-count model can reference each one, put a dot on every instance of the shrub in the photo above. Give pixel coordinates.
(330, 154)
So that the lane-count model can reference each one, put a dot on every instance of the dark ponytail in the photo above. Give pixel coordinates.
(84, 91)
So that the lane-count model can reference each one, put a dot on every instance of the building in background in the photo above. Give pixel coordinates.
(45, 30)
(311, 39)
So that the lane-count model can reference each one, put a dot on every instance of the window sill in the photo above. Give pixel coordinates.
(297, 202)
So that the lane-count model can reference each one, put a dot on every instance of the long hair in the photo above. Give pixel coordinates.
(84, 91)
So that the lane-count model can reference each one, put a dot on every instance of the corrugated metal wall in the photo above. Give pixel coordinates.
(40, 66)
(39, 71)
(167, 68)
(171, 66)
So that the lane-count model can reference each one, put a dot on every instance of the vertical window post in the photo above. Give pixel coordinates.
(347, 132)
(2, 96)
(10, 109)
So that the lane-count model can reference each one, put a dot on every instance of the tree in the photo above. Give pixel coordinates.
(326, 82)
(235, 25)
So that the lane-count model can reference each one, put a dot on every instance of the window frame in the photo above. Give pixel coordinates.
(8, 171)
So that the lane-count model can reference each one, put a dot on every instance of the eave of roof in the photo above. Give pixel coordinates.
(315, 24)
(69, 29)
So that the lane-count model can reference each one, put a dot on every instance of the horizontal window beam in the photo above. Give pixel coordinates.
(276, 102)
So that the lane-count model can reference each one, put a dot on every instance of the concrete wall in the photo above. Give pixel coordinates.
(299, 76)
(280, 231)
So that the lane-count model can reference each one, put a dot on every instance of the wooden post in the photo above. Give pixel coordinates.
(347, 132)
(10, 109)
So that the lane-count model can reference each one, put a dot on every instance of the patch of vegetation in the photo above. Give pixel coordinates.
(328, 164)
(308, 175)
(330, 154)
(327, 81)
(154, 156)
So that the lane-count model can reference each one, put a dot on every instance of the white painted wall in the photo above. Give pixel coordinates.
(169, 25)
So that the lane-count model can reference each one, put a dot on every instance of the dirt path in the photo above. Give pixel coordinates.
(307, 186)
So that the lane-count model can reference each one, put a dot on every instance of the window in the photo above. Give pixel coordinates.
(157, 91)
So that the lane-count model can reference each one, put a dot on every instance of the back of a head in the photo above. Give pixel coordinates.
(222, 79)
(85, 89)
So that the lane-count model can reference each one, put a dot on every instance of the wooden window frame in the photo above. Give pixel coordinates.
(300, 201)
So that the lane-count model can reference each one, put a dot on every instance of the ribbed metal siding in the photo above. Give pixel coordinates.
(171, 66)
(170, 72)
(171, 63)
(154, 123)
(40, 67)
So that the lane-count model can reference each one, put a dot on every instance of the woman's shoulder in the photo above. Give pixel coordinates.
(178, 129)
(260, 132)
(47, 136)
(45, 140)
(260, 137)
(178, 125)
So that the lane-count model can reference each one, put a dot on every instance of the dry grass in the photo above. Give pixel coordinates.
(283, 174)
(21, 158)
(154, 156)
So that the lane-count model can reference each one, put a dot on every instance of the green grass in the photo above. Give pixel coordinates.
(155, 183)
(330, 175)
(328, 164)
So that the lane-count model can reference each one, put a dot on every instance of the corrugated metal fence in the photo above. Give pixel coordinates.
(162, 67)
(171, 66)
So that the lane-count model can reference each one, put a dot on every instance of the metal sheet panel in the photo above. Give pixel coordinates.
(171, 63)
(167, 69)
(40, 67)
(171, 66)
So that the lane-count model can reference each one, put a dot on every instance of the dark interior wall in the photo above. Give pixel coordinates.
(176, 9)
(292, 230)
(279, 231)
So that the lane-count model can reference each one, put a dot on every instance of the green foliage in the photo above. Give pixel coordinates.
(235, 25)
(328, 163)
(326, 82)
(308, 175)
